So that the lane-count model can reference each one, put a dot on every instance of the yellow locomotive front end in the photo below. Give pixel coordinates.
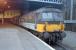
(50, 25)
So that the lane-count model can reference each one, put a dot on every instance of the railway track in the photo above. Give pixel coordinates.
(57, 45)
(61, 46)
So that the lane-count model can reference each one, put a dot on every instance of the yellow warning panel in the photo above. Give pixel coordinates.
(50, 27)
(54, 27)
(40, 27)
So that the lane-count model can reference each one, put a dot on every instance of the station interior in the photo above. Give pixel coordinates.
(21, 26)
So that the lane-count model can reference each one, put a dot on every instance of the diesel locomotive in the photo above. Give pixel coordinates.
(47, 22)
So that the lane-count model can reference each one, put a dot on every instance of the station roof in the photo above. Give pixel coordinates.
(35, 5)
(24, 5)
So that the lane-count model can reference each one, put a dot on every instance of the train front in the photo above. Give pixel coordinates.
(50, 25)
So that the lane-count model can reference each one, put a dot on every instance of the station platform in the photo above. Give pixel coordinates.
(16, 38)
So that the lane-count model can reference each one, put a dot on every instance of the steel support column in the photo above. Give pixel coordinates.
(71, 12)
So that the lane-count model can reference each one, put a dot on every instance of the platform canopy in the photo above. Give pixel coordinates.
(29, 4)
(33, 5)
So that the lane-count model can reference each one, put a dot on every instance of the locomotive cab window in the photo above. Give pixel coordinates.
(50, 17)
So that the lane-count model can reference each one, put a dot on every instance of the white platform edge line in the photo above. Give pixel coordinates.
(42, 41)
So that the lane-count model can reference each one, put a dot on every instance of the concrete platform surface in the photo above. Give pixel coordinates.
(15, 38)
(70, 39)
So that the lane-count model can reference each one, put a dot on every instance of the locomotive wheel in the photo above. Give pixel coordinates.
(59, 37)
(51, 38)
(55, 37)
(46, 35)
(40, 35)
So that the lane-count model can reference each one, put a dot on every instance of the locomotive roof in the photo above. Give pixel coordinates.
(48, 10)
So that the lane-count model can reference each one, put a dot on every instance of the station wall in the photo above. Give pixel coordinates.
(67, 4)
